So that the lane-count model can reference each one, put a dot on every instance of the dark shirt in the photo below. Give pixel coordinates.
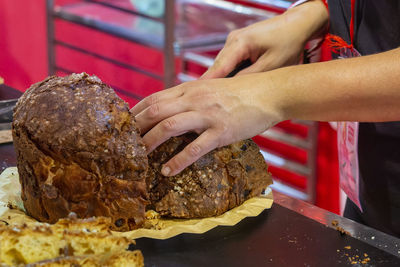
(377, 29)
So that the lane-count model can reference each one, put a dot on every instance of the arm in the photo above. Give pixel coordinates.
(357, 89)
(223, 111)
(272, 43)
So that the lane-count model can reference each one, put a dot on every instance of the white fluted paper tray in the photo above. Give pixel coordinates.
(10, 196)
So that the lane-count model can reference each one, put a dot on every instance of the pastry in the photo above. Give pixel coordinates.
(219, 181)
(79, 150)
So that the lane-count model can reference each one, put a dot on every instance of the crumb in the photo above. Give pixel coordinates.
(357, 259)
(342, 231)
(152, 220)
(335, 224)
(151, 215)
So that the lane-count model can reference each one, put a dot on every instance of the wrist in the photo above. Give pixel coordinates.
(309, 20)
(266, 95)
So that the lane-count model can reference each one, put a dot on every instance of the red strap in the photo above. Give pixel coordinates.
(353, 4)
(336, 42)
(326, 4)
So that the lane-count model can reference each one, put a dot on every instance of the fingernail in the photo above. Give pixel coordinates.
(165, 170)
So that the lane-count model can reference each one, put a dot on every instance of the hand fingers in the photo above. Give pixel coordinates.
(173, 126)
(226, 61)
(159, 111)
(157, 97)
(206, 142)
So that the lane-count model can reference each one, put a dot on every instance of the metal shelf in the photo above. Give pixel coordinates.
(184, 77)
(101, 18)
(291, 139)
(125, 25)
(202, 60)
(110, 60)
(272, 159)
(149, 31)
(306, 169)
(177, 31)
(283, 4)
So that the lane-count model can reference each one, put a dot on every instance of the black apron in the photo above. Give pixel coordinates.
(376, 29)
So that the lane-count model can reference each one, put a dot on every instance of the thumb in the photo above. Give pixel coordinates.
(215, 71)
(225, 63)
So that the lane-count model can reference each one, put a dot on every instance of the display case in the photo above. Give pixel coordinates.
(181, 26)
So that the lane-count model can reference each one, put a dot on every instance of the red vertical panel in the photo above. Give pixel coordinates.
(109, 73)
(328, 169)
(110, 46)
(23, 49)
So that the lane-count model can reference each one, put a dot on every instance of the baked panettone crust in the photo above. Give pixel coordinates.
(221, 180)
(79, 151)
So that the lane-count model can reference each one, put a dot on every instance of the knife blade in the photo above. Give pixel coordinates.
(241, 66)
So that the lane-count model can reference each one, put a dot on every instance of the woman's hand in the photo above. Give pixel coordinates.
(272, 43)
(221, 111)
(226, 110)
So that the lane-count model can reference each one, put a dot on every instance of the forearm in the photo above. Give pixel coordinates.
(358, 89)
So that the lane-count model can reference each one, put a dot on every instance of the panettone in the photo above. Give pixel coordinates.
(78, 150)
(219, 181)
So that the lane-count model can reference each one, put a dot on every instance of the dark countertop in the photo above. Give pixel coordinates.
(277, 237)
(291, 233)
(7, 92)
(7, 153)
